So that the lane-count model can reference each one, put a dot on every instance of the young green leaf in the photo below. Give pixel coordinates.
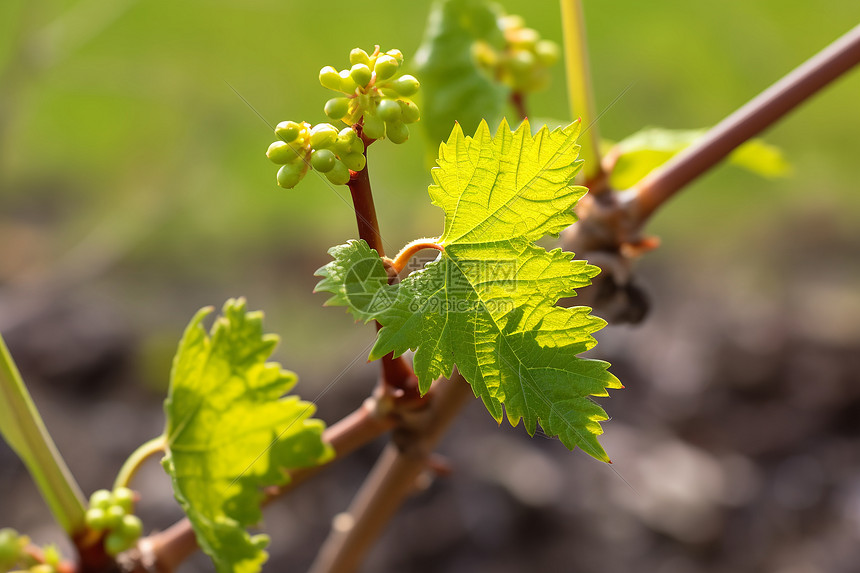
(645, 150)
(231, 432)
(455, 88)
(486, 304)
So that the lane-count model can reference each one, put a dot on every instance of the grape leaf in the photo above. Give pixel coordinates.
(649, 148)
(230, 432)
(455, 89)
(486, 304)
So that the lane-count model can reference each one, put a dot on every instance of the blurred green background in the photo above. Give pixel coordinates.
(118, 119)
(133, 178)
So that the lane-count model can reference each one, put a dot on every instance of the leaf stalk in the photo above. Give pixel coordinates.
(136, 460)
(411, 249)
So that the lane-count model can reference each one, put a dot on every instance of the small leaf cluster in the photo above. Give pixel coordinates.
(15, 558)
(301, 146)
(375, 95)
(112, 513)
(524, 62)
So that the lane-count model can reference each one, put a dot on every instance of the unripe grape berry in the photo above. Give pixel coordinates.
(409, 112)
(405, 85)
(290, 174)
(95, 518)
(115, 544)
(10, 547)
(131, 527)
(397, 131)
(523, 38)
(359, 56)
(347, 135)
(341, 147)
(354, 161)
(347, 84)
(511, 21)
(280, 153)
(361, 74)
(323, 160)
(339, 174)
(386, 92)
(113, 516)
(385, 67)
(345, 138)
(123, 497)
(329, 78)
(388, 110)
(397, 55)
(323, 135)
(547, 52)
(337, 108)
(522, 62)
(357, 146)
(288, 131)
(101, 499)
(374, 127)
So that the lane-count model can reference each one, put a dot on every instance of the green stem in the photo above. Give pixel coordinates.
(136, 459)
(579, 88)
(24, 431)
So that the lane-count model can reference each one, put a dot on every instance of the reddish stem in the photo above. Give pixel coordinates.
(518, 100)
(365, 211)
(396, 373)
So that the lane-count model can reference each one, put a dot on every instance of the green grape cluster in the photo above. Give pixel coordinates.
(524, 62)
(112, 513)
(376, 95)
(374, 104)
(322, 147)
(14, 557)
(12, 548)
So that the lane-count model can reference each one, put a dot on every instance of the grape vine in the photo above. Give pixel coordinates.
(482, 318)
